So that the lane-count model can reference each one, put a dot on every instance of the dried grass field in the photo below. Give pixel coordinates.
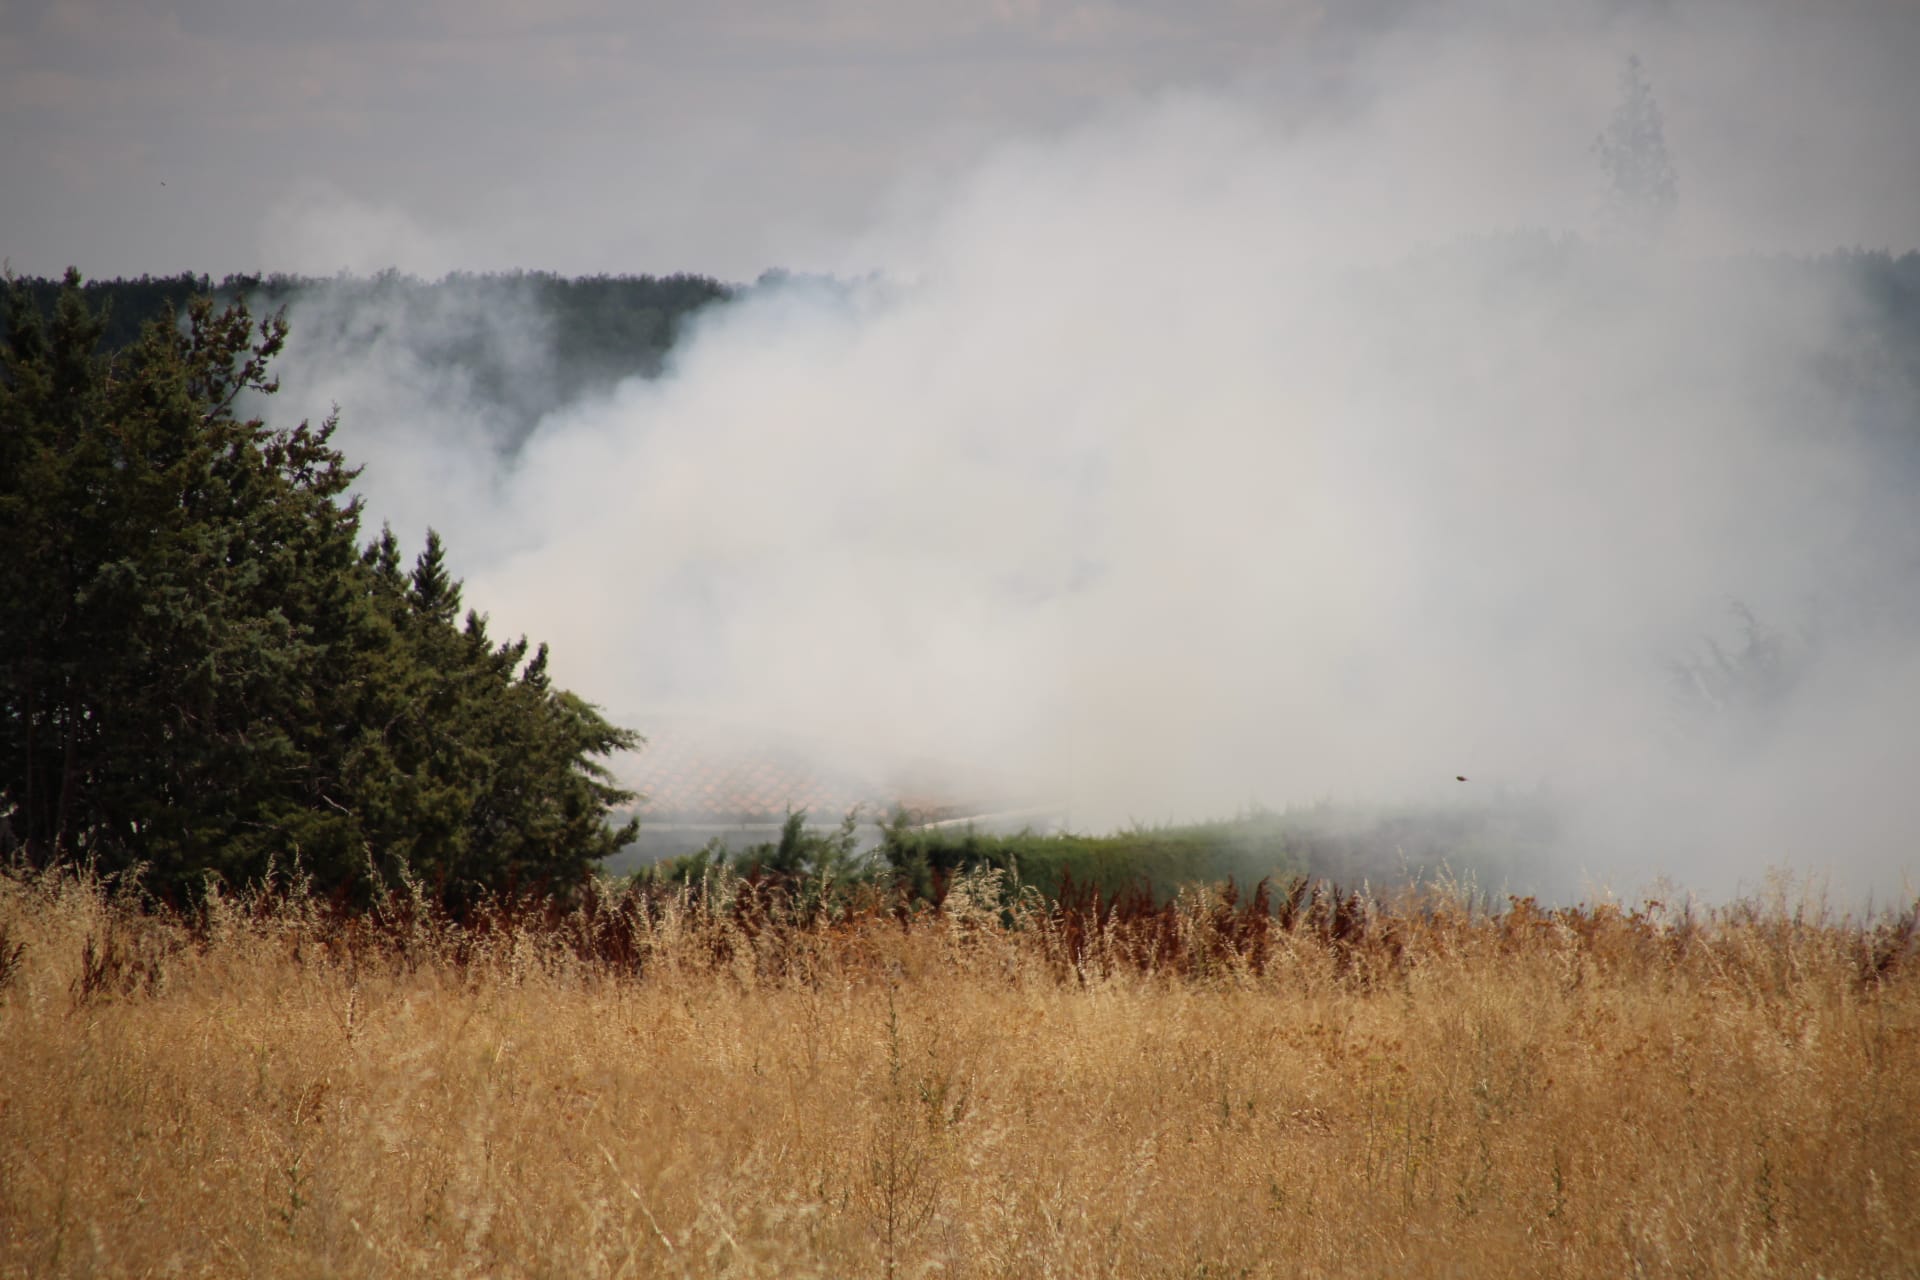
(672, 1084)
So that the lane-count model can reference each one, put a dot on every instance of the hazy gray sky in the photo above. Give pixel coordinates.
(587, 135)
(579, 134)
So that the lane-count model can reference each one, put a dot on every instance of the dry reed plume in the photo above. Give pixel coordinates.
(685, 1085)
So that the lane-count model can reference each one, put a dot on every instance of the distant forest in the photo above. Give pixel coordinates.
(520, 345)
(596, 330)
(528, 341)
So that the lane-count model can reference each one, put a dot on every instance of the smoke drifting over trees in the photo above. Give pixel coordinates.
(1270, 444)
(1206, 532)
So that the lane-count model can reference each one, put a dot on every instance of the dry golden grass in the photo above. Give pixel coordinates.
(1414, 1091)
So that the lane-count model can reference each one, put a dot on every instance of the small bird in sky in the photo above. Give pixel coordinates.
(1459, 777)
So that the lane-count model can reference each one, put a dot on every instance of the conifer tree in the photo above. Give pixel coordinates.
(1642, 188)
(202, 673)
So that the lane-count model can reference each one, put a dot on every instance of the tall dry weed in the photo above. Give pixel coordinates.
(719, 1080)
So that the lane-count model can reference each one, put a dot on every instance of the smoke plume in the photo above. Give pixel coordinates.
(1239, 448)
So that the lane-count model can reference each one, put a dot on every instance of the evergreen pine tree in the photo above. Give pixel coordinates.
(1642, 188)
(200, 670)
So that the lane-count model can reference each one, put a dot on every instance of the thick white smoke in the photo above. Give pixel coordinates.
(1217, 453)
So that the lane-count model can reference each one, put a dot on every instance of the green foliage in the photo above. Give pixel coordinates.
(202, 673)
(1490, 843)
(123, 307)
(1159, 859)
(1487, 845)
(804, 859)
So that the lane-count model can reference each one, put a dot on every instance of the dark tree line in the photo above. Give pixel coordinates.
(527, 342)
(123, 307)
(592, 331)
(203, 671)
(571, 336)
(602, 323)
